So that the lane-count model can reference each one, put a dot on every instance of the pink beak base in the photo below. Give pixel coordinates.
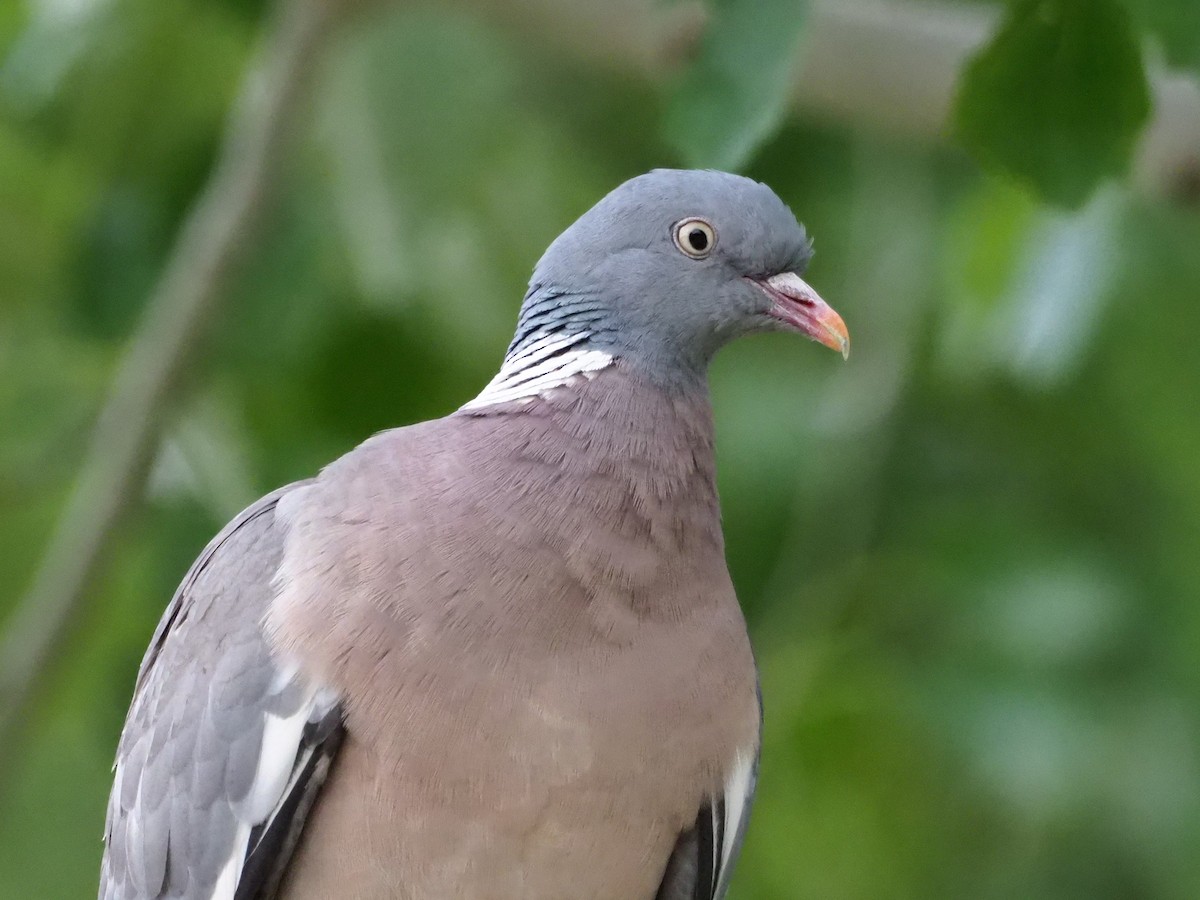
(801, 309)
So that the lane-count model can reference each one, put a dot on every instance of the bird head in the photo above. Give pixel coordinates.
(672, 265)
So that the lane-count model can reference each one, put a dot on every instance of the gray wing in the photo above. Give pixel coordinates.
(701, 864)
(224, 750)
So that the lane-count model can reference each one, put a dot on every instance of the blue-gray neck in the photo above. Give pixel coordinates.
(549, 311)
(632, 332)
(563, 336)
(560, 338)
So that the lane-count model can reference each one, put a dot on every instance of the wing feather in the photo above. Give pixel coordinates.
(224, 749)
(701, 864)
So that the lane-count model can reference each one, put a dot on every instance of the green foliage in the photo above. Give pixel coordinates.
(1057, 98)
(967, 557)
(1175, 25)
(734, 94)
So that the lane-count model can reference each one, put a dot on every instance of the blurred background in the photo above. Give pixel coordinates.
(969, 557)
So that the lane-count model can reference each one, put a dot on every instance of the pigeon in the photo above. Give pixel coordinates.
(495, 655)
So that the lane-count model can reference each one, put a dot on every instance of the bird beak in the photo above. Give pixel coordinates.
(801, 309)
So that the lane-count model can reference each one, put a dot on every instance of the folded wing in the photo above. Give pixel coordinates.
(224, 749)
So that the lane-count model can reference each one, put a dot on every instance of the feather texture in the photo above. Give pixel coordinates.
(548, 360)
(219, 738)
(702, 862)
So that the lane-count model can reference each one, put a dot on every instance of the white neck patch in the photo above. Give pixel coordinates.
(549, 361)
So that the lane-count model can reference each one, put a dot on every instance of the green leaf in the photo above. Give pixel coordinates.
(1175, 24)
(1058, 96)
(734, 95)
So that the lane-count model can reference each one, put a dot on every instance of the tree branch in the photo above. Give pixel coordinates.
(220, 228)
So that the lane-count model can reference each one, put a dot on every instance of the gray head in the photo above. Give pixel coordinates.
(672, 265)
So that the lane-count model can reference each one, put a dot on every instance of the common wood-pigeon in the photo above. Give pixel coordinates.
(495, 655)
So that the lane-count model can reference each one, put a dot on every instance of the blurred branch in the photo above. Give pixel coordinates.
(884, 65)
(217, 233)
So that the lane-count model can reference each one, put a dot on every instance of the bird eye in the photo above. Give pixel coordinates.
(694, 237)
